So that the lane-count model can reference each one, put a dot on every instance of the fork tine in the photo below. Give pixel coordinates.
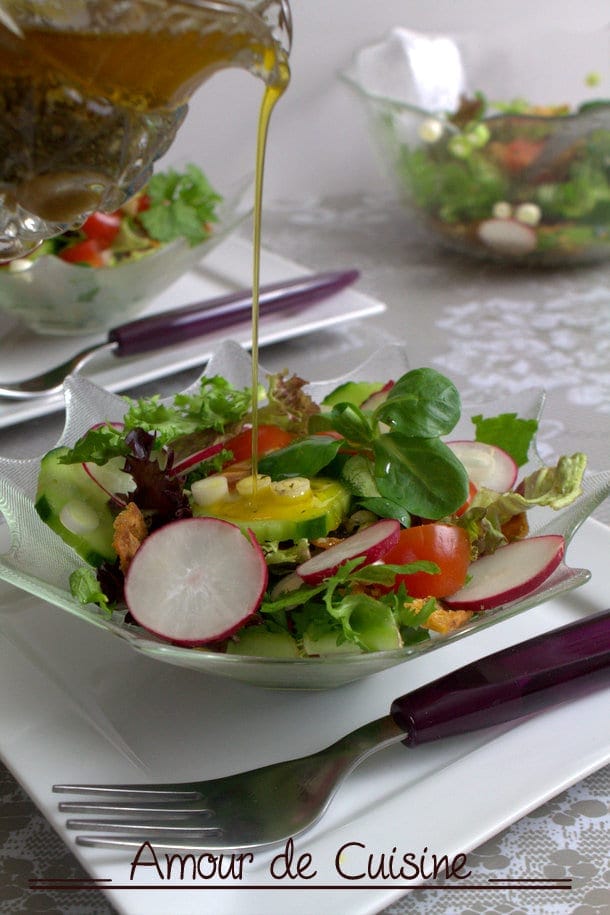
(104, 807)
(142, 827)
(186, 792)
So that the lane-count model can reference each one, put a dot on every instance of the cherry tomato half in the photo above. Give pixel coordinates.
(444, 544)
(519, 153)
(86, 252)
(103, 227)
(269, 439)
(143, 203)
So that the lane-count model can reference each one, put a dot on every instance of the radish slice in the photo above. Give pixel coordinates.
(371, 544)
(486, 465)
(196, 458)
(111, 478)
(512, 572)
(507, 236)
(195, 581)
(375, 400)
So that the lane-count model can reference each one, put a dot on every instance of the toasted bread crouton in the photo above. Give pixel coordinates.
(441, 619)
(516, 528)
(325, 543)
(129, 532)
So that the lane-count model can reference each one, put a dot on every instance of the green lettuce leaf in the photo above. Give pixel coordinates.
(550, 487)
(509, 432)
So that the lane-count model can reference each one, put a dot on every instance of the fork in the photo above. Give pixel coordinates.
(267, 806)
(166, 328)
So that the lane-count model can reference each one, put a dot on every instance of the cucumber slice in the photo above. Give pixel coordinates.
(256, 641)
(283, 519)
(76, 508)
(354, 392)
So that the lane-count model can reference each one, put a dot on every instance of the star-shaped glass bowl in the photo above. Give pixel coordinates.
(39, 562)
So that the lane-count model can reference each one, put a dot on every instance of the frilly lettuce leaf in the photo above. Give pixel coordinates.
(291, 554)
(556, 486)
(288, 405)
(550, 487)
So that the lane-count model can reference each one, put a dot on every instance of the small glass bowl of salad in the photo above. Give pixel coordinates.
(106, 272)
(500, 143)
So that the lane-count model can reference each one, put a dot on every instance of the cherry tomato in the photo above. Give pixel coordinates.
(520, 153)
(446, 545)
(86, 252)
(472, 491)
(143, 203)
(103, 227)
(269, 438)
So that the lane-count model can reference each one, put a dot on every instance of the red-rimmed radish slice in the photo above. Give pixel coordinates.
(195, 581)
(512, 572)
(111, 478)
(486, 465)
(196, 458)
(371, 544)
(507, 236)
(375, 400)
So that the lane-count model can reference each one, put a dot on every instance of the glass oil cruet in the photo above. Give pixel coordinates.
(92, 92)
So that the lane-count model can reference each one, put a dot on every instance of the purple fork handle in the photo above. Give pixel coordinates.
(510, 684)
(181, 324)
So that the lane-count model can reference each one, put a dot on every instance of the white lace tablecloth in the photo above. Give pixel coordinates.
(492, 330)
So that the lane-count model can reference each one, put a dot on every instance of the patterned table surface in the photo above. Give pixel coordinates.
(489, 328)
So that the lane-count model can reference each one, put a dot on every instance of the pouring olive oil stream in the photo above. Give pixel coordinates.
(92, 93)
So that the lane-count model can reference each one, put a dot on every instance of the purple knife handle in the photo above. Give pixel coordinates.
(510, 684)
(181, 324)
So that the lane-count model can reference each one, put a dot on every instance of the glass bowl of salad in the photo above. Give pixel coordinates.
(143, 522)
(499, 143)
(104, 273)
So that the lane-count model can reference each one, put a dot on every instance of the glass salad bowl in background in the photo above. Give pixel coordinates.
(39, 562)
(51, 296)
(500, 142)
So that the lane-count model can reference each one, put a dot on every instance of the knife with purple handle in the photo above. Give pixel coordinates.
(181, 324)
(510, 684)
(186, 323)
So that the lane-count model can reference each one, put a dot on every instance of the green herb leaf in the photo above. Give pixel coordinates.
(386, 573)
(507, 431)
(412, 614)
(98, 446)
(422, 474)
(352, 423)
(423, 403)
(85, 587)
(305, 458)
(214, 406)
(386, 508)
(358, 475)
(181, 206)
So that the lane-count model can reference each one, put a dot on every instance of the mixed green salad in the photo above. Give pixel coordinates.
(512, 179)
(365, 528)
(172, 205)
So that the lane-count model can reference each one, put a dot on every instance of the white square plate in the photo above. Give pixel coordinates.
(83, 707)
